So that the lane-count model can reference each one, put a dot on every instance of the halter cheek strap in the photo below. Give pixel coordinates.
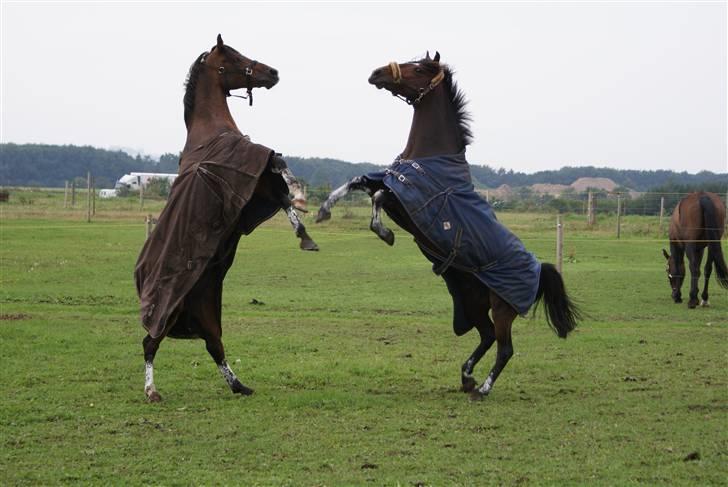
(248, 72)
(397, 78)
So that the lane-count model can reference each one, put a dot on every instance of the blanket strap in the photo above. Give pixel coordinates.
(451, 257)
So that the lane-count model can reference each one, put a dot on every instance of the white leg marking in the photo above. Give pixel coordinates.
(487, 386)
(149, 378)
(704, 303)
(227, 373)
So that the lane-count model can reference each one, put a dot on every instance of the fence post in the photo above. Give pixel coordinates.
(88, 197)
(73, 193)
(148, 221)
(662, 211)
(93, 198)
(141, 197)
(487, 195)
(590, 209)
(619, 215)
(559, 244)
(65, 196)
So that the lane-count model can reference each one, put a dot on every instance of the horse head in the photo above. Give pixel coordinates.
(237, 71)
(675, 275)
(409, 81)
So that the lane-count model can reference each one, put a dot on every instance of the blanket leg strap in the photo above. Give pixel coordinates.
(451, 257)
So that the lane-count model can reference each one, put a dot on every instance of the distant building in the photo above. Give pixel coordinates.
(549, 189)
(583, 184)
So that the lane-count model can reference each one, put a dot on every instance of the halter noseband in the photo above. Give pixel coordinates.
(397, 78)
(248, 72)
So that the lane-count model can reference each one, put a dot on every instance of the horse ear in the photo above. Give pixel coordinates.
(664, 252)
(437, 57)
(427, 56)
(219, 41)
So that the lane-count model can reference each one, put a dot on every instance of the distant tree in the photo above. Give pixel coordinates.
(158, 187)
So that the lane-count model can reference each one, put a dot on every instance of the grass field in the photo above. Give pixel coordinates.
(355, 366)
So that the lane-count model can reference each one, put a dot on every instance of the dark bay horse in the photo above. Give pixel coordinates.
(697, 223)
(226, 187)
(440, 126)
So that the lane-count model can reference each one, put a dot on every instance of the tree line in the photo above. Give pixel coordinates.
(52, 165)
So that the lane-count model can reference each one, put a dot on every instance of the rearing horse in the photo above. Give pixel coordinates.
(226, 187)
(696, 224)
(428, 192)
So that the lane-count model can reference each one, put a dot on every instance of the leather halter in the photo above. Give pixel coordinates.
(248, 72)
(397, 78)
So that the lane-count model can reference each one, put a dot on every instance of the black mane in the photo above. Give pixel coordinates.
(191, 85)
(457, 98)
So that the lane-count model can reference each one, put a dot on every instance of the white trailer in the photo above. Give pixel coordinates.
(136, 180)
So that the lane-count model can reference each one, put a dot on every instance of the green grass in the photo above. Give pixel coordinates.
(354, 363)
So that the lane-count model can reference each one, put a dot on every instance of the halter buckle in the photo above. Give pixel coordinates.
(248, 71)
(221, 70)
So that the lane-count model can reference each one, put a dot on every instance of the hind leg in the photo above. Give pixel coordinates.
(707, 271)
(150, 345)
(503, 316)
(487, 337)
(213, 342)
(695, 256)
(206, 309)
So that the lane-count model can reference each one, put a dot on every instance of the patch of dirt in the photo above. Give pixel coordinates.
(14, 317)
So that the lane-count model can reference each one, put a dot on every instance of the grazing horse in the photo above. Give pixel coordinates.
(697, 223)
(428, 192)
(226, 187)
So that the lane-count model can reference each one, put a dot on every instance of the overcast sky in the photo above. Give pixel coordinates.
(617, 84)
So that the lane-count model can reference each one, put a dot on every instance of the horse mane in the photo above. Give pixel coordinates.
(190, 86)
(457, 98)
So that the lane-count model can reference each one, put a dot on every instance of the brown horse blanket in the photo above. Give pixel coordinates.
(199, 228)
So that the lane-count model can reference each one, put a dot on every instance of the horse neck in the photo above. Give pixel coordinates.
(211, 115)
(434, 129)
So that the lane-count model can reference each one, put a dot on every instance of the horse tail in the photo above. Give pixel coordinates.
(713, 234)
(561, 312)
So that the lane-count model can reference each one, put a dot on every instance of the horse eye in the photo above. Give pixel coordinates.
(418, 70)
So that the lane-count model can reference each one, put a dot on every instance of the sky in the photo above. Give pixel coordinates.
(628, 85)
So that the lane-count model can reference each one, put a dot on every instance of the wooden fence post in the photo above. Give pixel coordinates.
(148, 221)
(73, 193)
(88, 197)
(619, 215)
(93, 197)
(65, 196)
(662, 211)
(590, 209)
(559, 244)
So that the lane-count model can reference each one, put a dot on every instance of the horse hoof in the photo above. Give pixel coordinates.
(309, 245)
(468, 384)
(389, 237)
(692, 304)
(239, 388)
(323, 215)
(704, 303)
(476, 395)
(154, 396)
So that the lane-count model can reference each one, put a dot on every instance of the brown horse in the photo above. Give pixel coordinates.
(697, 223)
(440, 126)
(226, 187)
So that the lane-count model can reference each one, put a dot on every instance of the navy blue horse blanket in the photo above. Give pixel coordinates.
(438, 194)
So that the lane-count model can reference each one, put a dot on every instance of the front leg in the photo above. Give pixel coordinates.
(376, 224)
(298, 198)
(359, 183)
(307, 242)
